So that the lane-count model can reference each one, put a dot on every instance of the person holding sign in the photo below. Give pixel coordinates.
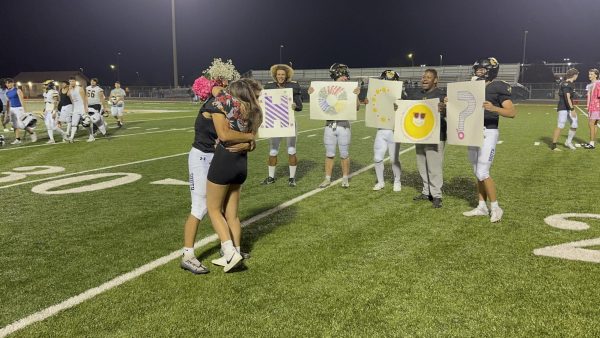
(282, 76)
(430, 157)
(498, 103)
(384, 141)
(337, 132)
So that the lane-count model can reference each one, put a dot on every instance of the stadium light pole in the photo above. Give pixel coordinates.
(280, 52)
(524, 54)
(175, 76)
(412, 60)
(441, 56)
(119, 66)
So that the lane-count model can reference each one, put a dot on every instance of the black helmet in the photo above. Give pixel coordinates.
(491, 66)
(338, 70)
(49, 84)
(390, 75)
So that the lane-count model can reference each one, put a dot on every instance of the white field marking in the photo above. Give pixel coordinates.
(134, 127)
(572, 250)
(155, 111)
(124, 178)
(561, 221)
(153, 128)
(93, 292)
(499, 142)
(536, 143)
(577, 145)
(170, 181)
(366, 137)
(582, 111)
(311, 135)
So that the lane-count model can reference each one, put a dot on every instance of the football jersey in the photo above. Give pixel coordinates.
(496, 92)
(118, 92)
(76, 97)
(50, 97)
(295, 90)
(93, 95)
(565, 87)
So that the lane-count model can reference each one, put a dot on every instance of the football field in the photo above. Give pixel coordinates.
(90, 235)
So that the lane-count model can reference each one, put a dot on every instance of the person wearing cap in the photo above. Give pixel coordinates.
(282, 76)
(337, 132)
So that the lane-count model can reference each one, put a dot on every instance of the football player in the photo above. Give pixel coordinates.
(79, 100)
(497, 103)
(117, 102)
(593, 106)
(65, 107)
(337, 132)
(430, 157)
(95, 98)
(16, 108)
(384, 141)
(282, 76)
(566, 109)
(51, 100)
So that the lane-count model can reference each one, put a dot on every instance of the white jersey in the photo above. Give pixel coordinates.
(50, 97)
(77, 100)
(93, 95)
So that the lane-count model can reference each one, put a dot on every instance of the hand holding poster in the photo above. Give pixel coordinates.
(278, 115)
(333, 100)
(417, 121)
(380, 111)
(464, 113)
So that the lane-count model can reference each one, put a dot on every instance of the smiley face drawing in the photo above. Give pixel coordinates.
(418, 122)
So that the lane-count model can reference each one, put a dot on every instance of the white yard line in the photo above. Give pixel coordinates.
(582, 111)
(311, 135)
(536, 143)
(93, 292)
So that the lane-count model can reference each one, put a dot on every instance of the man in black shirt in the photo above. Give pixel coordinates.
(497, 103)
(565, 110)
(430, 157)
(282, 76)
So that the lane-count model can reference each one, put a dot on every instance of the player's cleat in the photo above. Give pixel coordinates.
(588, 146)
(325, 183)
(33, 137)
(50, 142)
(194, 266)
(244, 254)
(119, 124)
(477, 212)
(378, 186)
(422, 197)
(437, 202)
(496, 214)
(91, 138)
(570, 145)
(16, 142)
(232, 261)
(397, 186)
(268, 180)
(292, 182)
(345, 183)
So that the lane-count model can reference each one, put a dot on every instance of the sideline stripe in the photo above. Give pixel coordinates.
(91, 293)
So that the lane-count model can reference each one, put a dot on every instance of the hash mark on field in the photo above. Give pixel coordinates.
(536, 143)
(153, 128)
(500, 142)
(366, 137)
(134, 127)
(312, 135)
(93, 292)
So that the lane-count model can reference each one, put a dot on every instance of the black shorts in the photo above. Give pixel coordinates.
(227, 167)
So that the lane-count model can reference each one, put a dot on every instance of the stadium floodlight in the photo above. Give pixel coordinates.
(29, 83)
(112, 67)
(412, 59)
(19, 83)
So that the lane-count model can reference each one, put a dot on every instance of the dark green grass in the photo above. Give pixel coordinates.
(345, 262)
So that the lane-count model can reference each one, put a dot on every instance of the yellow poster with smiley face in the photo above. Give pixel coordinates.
(417, 122)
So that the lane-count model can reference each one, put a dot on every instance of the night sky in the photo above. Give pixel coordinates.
(41, 35)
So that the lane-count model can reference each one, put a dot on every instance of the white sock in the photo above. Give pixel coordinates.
(397, 172)
(68, 129)
(570, 136)
(188, 252)
(482, 205)
(379, 172)
(494, 205)
(227, 247)
(102, 129)
(328, 178)
(50, 135)
(293, 171)
(73, 131)
(238, 248)
(593, 143)
(272, 171)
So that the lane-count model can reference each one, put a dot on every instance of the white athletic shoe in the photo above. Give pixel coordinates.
(378, 186)
(50, 142)
(477, 212)
(193, 265)
(345, 183)
(570, 145)
(496, 215)
(16, 142)
(91, 138)
(397, 186)
(232, 261)
(33, 137)
(6, 130)
(325, 183)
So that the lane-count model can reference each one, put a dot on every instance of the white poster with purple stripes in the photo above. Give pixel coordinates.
(278, 113)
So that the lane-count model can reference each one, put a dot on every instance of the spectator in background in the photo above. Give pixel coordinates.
(593, 106)
(565, 109)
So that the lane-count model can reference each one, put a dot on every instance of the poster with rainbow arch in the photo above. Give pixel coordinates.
(333, 100)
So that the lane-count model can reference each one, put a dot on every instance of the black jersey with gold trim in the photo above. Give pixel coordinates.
(496, 92)
(290, 84)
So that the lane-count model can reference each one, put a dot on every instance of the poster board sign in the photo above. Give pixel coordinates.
(382, 94)
(278, 113)
(417, 121)
(333, 100)
(464, 113)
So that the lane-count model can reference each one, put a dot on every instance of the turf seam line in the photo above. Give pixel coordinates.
(91, 293)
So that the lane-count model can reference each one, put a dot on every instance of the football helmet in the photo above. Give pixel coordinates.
(491, 65)
(49, 84)
(338, 70)
(390, 75)
(2, 141)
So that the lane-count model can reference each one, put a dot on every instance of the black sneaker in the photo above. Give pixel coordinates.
(437, 202)
(292, 182)
(268, 180)
(422, 197)
(588, 146)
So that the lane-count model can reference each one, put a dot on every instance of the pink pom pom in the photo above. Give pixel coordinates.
(203, 87)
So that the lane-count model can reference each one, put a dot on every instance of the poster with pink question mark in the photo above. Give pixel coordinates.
(464, 113)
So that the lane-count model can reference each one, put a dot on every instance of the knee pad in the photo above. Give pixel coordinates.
(273, 152)
(482, 173)
(344, 151)
(291, 150)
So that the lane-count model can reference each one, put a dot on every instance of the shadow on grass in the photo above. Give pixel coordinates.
(461, 187)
